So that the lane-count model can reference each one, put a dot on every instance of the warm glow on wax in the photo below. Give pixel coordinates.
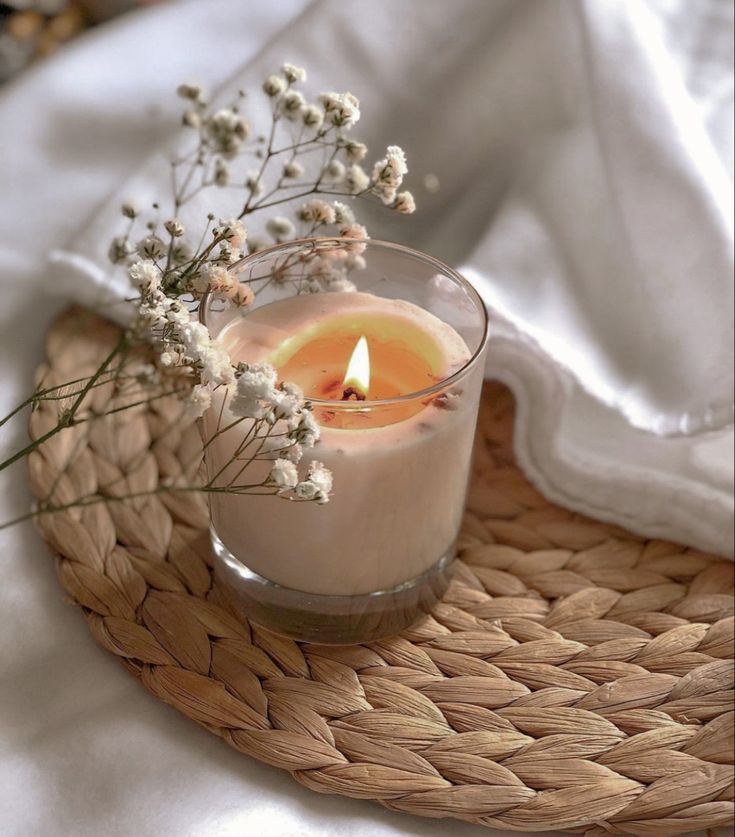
(358, 369)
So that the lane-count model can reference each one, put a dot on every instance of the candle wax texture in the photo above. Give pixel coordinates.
(400, 470)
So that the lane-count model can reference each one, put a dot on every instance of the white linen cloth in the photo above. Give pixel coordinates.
(585, 198)
(583, 151)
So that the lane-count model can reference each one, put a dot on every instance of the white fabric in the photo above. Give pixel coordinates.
(582, 188)
(587, 201)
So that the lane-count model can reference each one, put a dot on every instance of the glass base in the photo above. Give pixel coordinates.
(327, 620)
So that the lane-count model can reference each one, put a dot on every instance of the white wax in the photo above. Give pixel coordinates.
(399, 489)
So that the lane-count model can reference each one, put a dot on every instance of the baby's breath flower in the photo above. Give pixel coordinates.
(193, 92)
(292, 104)
(254, 391)
(395, 163)
(312, 286)
(287, 405)
(232, 230)
(227, 131)
(174, 227)
(129, 211)
(199, 401)
(293, 452)
(244, 296)
(254, 183)
(214, 363)
(341, 109)
(217, 279)
(355, 262)
(274, 86)
(293, 170)
(293, 74)
(145, 276)
(221, 172)
(313, 117)
(356, 231)
(339, 284)
(343, 214)
(227, 254)
(334, 171)
(280, 228)
(178, 314)
(318, 211)
(191, 119)
(355, 151)
(388, 174)
(216, 368)
(318, 484)
(257, 242)
(120, 250)
(387, 194)
(307, 431)
(284, 475)
(151, 247)
(257, 380)
(356, 179)
(405, 203)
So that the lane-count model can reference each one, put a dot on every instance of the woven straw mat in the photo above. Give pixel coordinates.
(575, 677)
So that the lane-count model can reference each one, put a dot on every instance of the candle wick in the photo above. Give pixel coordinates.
(352, 394)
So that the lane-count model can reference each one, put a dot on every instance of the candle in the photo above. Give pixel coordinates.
(395, 389)
(399, 469)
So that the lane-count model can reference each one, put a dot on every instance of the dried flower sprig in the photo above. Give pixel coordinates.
(308, 165)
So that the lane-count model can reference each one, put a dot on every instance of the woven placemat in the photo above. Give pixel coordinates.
(574, 677)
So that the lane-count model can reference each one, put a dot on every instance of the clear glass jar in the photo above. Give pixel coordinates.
(375, 557)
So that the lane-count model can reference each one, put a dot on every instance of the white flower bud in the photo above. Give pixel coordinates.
(313, 116)
(293, 170)
(334, 171)
(274, 86)
(221, 172)
(254, 183)
(284, 475)
(120, 250)
(191, 119)
(405, 203)
(355, 151)
(193, 92)
(343, 215)
(151, 247)
(256, 242)
(145, 276)
(356, 179)
(280, 228)
(317, 211)
(293, 74)
(174, 227)
(199, 401)
(292, 104)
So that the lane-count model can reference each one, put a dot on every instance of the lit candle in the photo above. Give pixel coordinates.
(399, 458)
(394, 372)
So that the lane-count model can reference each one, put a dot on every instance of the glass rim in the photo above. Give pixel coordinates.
(363, 406)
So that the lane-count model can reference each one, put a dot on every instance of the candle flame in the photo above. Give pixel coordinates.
(358, 369)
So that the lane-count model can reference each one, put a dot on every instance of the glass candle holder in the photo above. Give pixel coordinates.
(397, 439)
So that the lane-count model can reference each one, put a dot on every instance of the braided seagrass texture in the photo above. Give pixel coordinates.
(575, 677)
